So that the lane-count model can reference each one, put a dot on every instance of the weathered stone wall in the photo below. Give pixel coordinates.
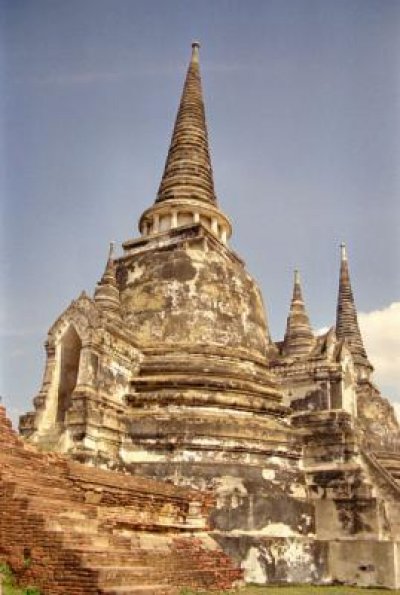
(188, 289)
(257, 505)
(278, 560)
(356, 501)
(365, 563)
(106, 359)
(323, 379)
(376, 419)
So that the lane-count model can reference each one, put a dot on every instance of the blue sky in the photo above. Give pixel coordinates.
(302, 100)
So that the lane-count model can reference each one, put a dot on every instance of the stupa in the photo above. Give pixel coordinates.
(169, 371)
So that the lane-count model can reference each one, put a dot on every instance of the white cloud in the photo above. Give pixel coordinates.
(322, 331)
(397, 410)
(381, 333)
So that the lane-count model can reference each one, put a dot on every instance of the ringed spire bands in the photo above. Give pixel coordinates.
(299, 338)
(186, 194)
(188, 172)
(346, 315)
(106, 293)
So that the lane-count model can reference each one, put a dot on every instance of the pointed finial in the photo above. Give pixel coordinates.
(195, 51)
(111, 250)
(297, 293)
(343, 252)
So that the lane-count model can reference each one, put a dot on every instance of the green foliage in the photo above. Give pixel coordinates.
(9, 581)
(12, 590)
(6, 572)
(188, 591)
(27, 562)
(307, 590)
(292, 590)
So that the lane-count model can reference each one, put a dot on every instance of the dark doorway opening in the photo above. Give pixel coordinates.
(71, 346)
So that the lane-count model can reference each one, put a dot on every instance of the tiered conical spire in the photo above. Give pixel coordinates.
(299, 338)
(188, 173)
(106, 293)
(346, 314)
(186, 194)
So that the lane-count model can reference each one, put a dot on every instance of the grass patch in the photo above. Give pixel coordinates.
(9, 583)
(305, 589)
(293, 590)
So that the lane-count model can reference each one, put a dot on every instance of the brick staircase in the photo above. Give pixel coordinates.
(76, 530)
(390, 461)
(386, 464)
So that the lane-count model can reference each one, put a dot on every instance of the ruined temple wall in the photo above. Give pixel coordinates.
(260, 505)
(365, 563)
(356, 503)
(85, 411)
(285, 559)
(377, 419)
(386, 489)
(324, 379)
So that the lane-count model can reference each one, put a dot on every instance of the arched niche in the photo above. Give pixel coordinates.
(70, 350)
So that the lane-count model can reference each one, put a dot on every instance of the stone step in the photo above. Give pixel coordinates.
(391, 466)
(392, 470)
(29, 461)
(66, 524)
(117, 576)
(389, 463)
(85, 542)
(140, 590)
(128, 518)
(92, 543)
(30, 490)
(37, 477)
(52, 505)
(96, 557)
(48, 443)
(139, 557)
(124, 575)
(387, 454)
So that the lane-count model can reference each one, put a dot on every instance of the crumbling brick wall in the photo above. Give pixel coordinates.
(72, 529)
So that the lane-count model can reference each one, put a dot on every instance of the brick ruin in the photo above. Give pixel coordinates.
(169, 372)
(73, 529)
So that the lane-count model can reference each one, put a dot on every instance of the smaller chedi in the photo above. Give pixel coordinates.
(169, 371)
